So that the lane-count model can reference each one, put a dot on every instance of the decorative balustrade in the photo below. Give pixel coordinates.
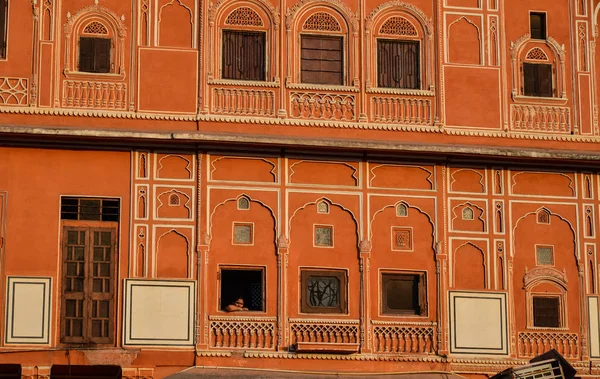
(243, 101)
(330, 107)
(14, 91)
(403, 338)
(94, 95)
(540, 118)
(401, 110)
(532, 344)
(242, 333)
(324, 331)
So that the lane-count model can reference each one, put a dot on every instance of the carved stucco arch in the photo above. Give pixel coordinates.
(425, 27)
(75, 24)
(517, 56)
(534, 214)
(189, 268)
(331, 204)
(485, 259)
(351, 24)
(208, 236)
(218, 12)
(418, 209)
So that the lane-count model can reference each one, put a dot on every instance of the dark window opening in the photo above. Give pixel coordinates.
(85, 372)
(3, 27)
(10, 371)
(88, 285)
(537, 79)
(322, 60)
(81, 208)
(247, 284)
(243, 56)
(323, 292)
(404, 294)
(537, 24)
(546, 312)
(398, 64)
(94, 54)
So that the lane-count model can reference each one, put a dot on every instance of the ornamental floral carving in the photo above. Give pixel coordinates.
(395, 5)
(547, 273)
(351, 17)
(214, 7)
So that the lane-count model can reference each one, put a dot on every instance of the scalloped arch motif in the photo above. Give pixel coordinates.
(322, 21)
(244, 16)
(397, 4)
(398, 26)
(536, 54)
(95, 10)
(520, 42)
(95, 27)
(213, 8)
(339, 5)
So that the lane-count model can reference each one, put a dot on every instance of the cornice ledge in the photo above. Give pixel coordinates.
(206, 353)
(242, 319)
(321, 87)
(401, 92)
(346, 357)
(323, 321)
(403, 323)
(454, 130)
(97, 113)
(243, 83)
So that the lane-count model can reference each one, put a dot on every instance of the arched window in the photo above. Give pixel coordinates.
(538, 68)
(327, 38)
(94, 39)
(174, 200)
(244, 35)
(323, 207)
(543, 217)
(401, 210)
(243, 203)
(399, 46)
(468, 214)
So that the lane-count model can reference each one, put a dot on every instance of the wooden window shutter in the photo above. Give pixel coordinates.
(102, 55)
(3, 27)
(86, 54)
(243, 55)
(322, 60)
(529, 79)
(398, 64)
(545, 75)
(89, 274)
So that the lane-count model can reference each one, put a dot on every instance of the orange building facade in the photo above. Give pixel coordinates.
(388, 186)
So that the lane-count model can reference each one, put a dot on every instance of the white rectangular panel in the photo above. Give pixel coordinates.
(594, 327)
(28, 310)
(478, 323)
(159, 312)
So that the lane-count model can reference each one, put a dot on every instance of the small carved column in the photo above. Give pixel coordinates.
(283, 245)
(512, 329)
(364, 248)
(202, 331)
(36, 55)
(583, 330)
(441, 274)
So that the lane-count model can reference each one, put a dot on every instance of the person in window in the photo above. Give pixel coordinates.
(236, 305)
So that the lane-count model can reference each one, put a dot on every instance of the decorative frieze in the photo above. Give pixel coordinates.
(14, 91)
(242, 101)
(540, 118)
(331, 106)
(96, 95)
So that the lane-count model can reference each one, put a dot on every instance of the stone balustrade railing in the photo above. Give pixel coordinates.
(403, 338)
(540, 118)
(401, 110)
(242, 333)
(324, 331)
(532, 344)
(243, 101)
(94, 95)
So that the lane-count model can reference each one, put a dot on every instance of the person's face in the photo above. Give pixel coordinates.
(239, 302)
